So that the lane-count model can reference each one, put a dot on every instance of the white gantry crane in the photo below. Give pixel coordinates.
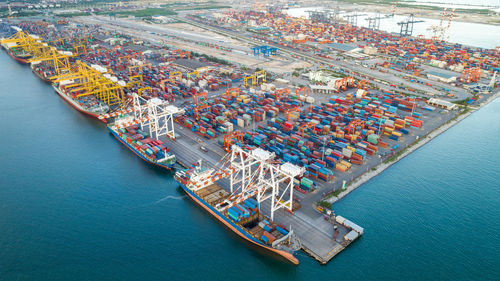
(439, 31)
(251, 173)
(156, 113)
(256, 173)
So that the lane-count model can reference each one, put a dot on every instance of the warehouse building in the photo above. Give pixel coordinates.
(192, 65)
(442, 77)
(441, 103)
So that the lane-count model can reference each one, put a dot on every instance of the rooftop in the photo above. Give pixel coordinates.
(441, 74)
(440, 102)
(341, 47)
(190, 63)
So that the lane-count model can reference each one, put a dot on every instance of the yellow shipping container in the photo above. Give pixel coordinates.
(341, 167)
(345, 163)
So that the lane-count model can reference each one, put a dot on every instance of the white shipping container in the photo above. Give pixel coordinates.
(352, 235)
(228, 126)
(347, 152)
(354, 226)
(340, 219)
(241, 123)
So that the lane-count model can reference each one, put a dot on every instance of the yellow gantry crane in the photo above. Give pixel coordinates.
(88, 80)
(190, 74)
(30, 45)
(175, 75)
(54, 58)
(139, 92)
(261, 74)
(139, 66)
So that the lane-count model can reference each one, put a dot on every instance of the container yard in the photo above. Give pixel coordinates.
(267, 119)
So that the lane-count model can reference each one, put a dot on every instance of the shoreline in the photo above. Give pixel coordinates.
(421, 11)
(410, 149)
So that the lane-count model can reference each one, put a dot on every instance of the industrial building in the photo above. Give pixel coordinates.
(192, 65)
(442, 77)
(441, 103)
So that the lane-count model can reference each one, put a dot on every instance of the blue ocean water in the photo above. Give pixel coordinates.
(77, 205)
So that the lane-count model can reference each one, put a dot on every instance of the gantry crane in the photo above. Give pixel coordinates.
(54, 58)
(407, 25)
(302, 92)
(190, 74)
(182, 53)
(292, 113)
(305, 126)
(232, 92)
(354, 124)
(156, 114)
(90, 80)
(252, 173)
(281, 94)
(439, 31)
(393, 10)
(363, 84)
(470, 75)
(232, 138)
(200, 102)
(261, 74)
(30, 44)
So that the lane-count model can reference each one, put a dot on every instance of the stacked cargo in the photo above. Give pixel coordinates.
(294, 33)
(140, 140)
(232, 110)
(243, 211)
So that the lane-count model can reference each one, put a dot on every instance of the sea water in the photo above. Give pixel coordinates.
(75, 204)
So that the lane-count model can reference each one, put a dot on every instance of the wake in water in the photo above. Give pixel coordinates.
(169, 197)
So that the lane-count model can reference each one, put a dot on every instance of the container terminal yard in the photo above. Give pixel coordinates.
(267, 119)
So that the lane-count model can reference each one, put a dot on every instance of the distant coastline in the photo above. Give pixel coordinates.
(472, 14)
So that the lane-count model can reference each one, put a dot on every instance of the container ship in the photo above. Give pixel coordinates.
(240, 216)
(88, 104)
(152, 151)
(17, 53)
(43, 72)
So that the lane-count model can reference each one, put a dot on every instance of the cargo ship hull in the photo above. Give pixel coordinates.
(75, 105)
(23, 60)
(138, 153)
(237, 229)
(39, 75)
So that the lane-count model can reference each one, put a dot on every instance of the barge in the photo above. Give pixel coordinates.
(242, 216)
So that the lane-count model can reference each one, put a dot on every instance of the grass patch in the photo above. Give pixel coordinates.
(205, 7)
(462, 102)
(211, 58)
(337, 192)
(325, 205)
(145, 12)
(22, 14)
(68, 15)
